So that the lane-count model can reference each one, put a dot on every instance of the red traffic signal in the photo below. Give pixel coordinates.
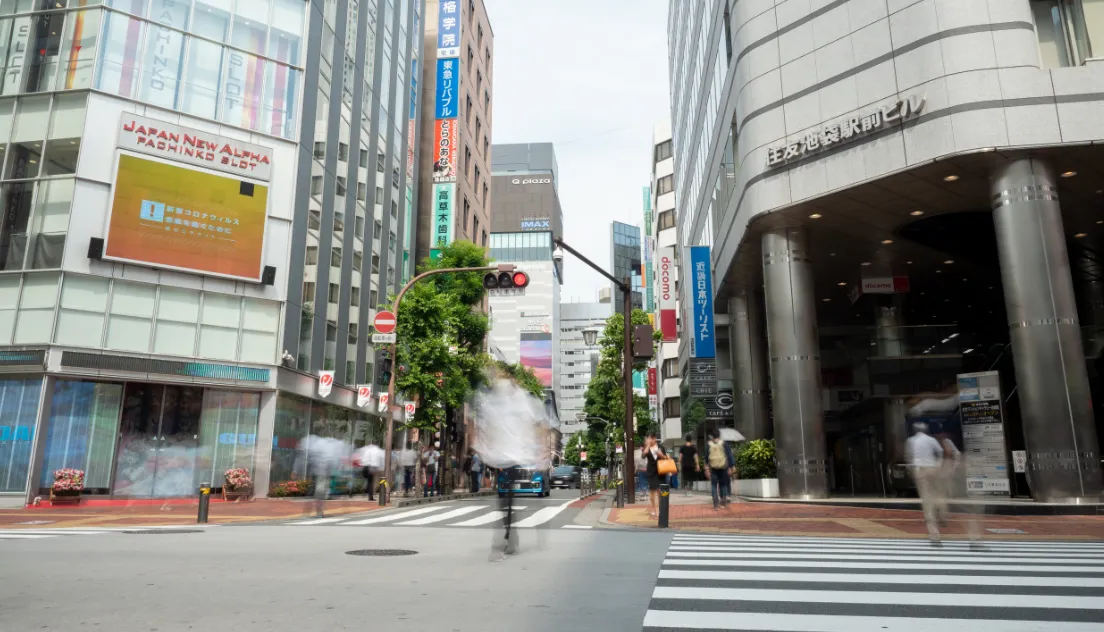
(520, 279)
(505, 280)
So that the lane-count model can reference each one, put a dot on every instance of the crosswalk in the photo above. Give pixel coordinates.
(43, 533)
(526, 516)
(790, 584)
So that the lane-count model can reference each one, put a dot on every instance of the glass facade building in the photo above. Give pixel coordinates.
(626, 262)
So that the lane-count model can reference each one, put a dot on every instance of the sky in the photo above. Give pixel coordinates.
(589, 76)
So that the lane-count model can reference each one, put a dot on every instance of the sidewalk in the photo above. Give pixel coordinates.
(696, 513)
(177, 513)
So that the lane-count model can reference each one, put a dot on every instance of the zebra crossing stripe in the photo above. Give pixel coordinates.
(883, 578)
(487, 518)
(439, 517)
(772, 622)
(542, 516)
(399, 516)
(317, 521)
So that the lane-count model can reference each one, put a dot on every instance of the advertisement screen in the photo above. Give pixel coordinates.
(170, 216)
(536, 353)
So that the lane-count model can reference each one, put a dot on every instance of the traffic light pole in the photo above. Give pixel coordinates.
(385, 492)
(626, 359)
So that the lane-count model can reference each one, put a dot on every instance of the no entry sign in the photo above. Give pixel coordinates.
(384, 322)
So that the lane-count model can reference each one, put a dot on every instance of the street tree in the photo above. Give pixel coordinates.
(522, 375)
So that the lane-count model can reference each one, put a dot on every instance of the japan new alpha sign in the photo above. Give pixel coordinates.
(666, 288)
(702, 344)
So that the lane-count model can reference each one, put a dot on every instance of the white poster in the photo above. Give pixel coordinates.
(384, 400)
(364, 395)
(410, 408)
(325, 383)
(980, 405)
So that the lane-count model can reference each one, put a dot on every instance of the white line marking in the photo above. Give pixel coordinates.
(879, 598)
(875, 541)
(802, 622)
(317, 521)
(13, 536)
(928, 553)
(487, 518)
(399, 516)
(543, 515)
(52, 532)
(934, 555)
(886, 566)
(881, 578)
(947, 546)
(578, 526)
(448, 515)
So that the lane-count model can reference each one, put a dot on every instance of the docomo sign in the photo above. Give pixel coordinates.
(668, 323)
(184, 144)
(884, 285)
(325, 383)
(384, 322)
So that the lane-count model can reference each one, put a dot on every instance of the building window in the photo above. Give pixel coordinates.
(664, 185)
(308, 292)
(485, 190)
(663, 151)
(478, 81)
(335, 292)
(487, 95)
(316, 185)
(364, 158)
(478, 177)
(479, 35)
(467, 208)
(471, 60)
(478, 128)
(666, 220)
(486, 146)
(312, 256)
(467, 161)
(343, 152)
(320, 150)
(342, 184)
(1069, 31)
(672, 407)
(670, 368)
(467, 111)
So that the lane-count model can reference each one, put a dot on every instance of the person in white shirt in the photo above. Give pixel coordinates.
(409, 460)
(371, 460)
(925, 459)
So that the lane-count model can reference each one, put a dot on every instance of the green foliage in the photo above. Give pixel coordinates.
(693, 416)
(522, 375)
(595, 449)
(755, 459)
(441, 332)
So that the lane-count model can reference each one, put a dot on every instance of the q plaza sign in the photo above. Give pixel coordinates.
(531, 181)
(846, 131)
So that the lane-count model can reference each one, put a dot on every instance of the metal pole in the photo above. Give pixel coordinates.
(204, 502)
(389, 436)
(664, 505)
(627, 360)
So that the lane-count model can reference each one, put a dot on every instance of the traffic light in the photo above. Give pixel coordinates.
(505, 280)
(385, 364)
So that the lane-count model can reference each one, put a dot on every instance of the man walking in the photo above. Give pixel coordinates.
(475, 470)
(720, 465)
(925, 459)
(688, 459)
(370, 458)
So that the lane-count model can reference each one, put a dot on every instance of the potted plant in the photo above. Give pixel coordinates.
(756, 469)
(68, 483)
(238, 485)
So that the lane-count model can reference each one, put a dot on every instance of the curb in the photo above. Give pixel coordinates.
(408, 502)
(991, 509)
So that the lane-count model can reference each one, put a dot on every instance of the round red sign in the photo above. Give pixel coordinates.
(384, 322)
(326, 379)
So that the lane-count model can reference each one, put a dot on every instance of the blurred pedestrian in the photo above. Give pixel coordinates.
(688, 460)
(641, 464)
(370, 458)
(428, 463)
(409, 460)
(720, 463)
(474, 467)
(652, 454)
(925, 459)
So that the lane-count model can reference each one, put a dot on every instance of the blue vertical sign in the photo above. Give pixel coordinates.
(704, 344)
(448, 28)
(447, 102)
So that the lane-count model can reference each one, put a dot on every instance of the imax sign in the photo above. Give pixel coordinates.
(536, 224)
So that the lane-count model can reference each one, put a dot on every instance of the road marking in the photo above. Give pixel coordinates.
(878, 598)
(881, 578)
(401, 515)
(684, 560)
(543, 515)
(577, 526)
(818, 542)
(1026, 546)
(52, 532)
(925, 553)
(448, 515)
(772, 622)
(19, 536)
(977, 557)
(317, 521)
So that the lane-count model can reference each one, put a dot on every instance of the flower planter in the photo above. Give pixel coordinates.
(65, 496)
(756, 487)
(237, 494)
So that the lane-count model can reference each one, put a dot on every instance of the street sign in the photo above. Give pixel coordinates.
(384, 399)
(1019, 461)
(581, 417)
(582, 456)
(325, 383)
(410, 408)
(364, 395)
(384, 322)
(383, 338)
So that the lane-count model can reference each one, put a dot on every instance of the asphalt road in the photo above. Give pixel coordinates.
(274, 577)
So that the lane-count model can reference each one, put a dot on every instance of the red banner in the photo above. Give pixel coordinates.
(652, 381)
(444, 161)
(668, 324)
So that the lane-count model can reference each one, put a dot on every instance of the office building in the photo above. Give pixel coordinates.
(882, 191)
(162, 202)
(525, 189)
(626, 262)
(577, 361)
(455, 156)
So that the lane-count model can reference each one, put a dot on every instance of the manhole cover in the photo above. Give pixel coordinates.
(159, 531)
(381, 552)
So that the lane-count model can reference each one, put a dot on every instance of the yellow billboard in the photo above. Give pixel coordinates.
(170, 216)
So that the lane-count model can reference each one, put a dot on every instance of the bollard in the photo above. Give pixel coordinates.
(664, 505)
(204, 502)
(620, 494)
(383, 492)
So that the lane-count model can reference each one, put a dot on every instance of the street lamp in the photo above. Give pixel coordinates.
(590, 336)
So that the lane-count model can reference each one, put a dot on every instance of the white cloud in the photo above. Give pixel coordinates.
(589, 76)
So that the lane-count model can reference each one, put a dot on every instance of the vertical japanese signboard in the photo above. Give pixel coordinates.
(980, 405)
(444, 161)
(443, 194)
(702, 344)
(448, 28)
(666, 287)
(448, 72)
(447, 109)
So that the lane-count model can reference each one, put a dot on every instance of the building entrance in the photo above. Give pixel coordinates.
(158, 441)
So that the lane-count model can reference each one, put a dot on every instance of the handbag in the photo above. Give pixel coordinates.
(666, 466)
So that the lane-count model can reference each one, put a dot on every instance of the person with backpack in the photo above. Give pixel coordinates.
(721, 462)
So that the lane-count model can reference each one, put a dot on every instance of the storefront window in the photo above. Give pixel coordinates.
(18, 412)
(292, 425)
(158, 441)
(227, 434)
(82, 431)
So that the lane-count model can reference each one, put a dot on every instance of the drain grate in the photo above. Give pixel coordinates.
(381, 552)
(159, 531)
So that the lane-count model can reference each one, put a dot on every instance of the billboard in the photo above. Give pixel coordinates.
(444, 161)
(203, 149)
(448, 101)
(443, 199)
(170, 216)
(448, 28)
(536, 353)
(668, 320)
(702, 344)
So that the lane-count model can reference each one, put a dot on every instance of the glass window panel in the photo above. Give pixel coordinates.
(291, 426)
(286, 36)
(36, 309)
(178, 305)
(243, 89)
(227, 434)
(211, 19)
(81, 317)
(132, 299)
(201, 87)
(164, 58)
(84, 422)
(280, 97)
(118, 71)
(66, 126)
(174, 13)
(173, 338)
(9, 292)
(221, 309)
(86, 293)
(41, 67)
(19, 412)
(28, 131)
(79, 329)
(219, 343)
(261, 315)
(250, 20)
(259, 347)
(128, 333)
(15, 203)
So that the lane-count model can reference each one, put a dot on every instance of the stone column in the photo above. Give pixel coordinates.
(794, 351)
(749, 369)
(39, 439)
(1051, 378)
(889, 342)
(262, 455)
